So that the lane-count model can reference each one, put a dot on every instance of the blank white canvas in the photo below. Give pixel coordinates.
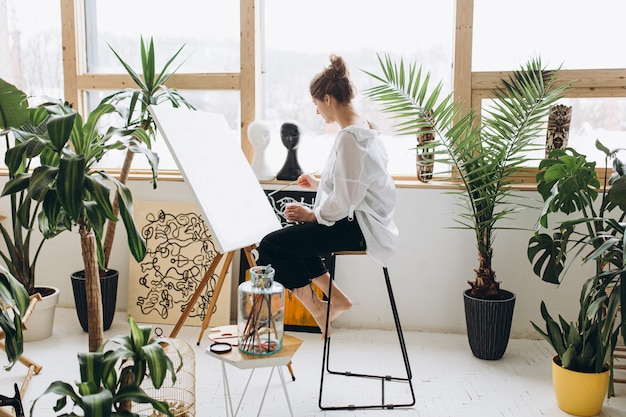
(210, 159)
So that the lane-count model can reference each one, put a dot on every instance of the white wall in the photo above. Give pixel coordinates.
(429, 272)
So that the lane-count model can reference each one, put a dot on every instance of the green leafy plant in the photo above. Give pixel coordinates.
(14, 302)
(22, 245)
(570, 185)
(483, 153)
(110, 378)
(69, 187)
(150, 89)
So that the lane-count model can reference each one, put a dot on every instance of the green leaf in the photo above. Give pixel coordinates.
(98, 405)
(13, 106)
(60, 129)
(69, 184)
(548, 256)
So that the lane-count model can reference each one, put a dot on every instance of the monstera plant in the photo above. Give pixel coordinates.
(592, 232)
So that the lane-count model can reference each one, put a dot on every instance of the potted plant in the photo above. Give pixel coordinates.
(134, 102)
(111, 377)
(72, 191)
(569, 185)
(484, 152)
(14, 301)
(22, 241)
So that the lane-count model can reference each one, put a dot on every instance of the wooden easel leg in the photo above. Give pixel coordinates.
(216, 293)
(4, 413)
(196, 295)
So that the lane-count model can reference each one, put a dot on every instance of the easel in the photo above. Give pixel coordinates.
(203, 145)
(220, 281)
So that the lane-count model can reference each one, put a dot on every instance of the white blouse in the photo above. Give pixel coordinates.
(355, 181)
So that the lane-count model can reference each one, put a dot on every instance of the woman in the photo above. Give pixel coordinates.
(354, 203)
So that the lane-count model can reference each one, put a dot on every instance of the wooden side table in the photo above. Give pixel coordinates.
(245, 361)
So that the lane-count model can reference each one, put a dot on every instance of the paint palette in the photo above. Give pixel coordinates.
(224, 334)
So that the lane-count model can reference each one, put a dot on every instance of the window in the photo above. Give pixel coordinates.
(209, 37)
(30, 46)
(209, 32)
(572, 33)
(602, 119)
(299, 37)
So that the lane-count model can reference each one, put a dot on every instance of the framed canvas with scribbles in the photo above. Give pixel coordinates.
(180, 249)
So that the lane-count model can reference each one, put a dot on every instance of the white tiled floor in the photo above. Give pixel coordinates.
(448, 380)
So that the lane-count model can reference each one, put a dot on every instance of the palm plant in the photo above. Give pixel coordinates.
(483, 152)
(111, 377)
(70, 188)
(569, 184)
(151, 89)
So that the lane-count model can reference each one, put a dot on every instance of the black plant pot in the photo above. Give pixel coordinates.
(108, 288)
(489, 324)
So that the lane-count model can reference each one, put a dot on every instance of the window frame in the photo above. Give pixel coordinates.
(470, 88)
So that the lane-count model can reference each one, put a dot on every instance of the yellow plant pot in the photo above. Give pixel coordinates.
(579, 393)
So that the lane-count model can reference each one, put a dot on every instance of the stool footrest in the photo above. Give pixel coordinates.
(358, 375)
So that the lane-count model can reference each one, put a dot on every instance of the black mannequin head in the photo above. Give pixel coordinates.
(290, 135)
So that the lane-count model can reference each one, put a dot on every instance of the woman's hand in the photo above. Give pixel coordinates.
(308, 181)
(298, 213)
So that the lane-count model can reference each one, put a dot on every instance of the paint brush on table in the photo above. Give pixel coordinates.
(289, 184)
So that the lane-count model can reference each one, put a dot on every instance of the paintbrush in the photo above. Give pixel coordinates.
(290, 184)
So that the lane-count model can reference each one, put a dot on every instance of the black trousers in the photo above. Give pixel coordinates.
(295, 251)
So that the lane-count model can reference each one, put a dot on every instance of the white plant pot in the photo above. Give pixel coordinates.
(41, 322)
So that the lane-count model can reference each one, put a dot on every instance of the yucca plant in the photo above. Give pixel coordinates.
(483, 152)
(594, 232)
(150, 89)
(111, 377)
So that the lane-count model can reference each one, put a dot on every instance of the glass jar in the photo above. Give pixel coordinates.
(260, 313)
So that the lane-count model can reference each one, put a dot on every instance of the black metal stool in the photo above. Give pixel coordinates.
(382, 378)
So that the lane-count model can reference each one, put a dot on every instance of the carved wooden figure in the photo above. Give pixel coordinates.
(557, 133)
(424, 157)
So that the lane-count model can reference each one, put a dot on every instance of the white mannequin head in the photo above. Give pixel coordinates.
(259, 134)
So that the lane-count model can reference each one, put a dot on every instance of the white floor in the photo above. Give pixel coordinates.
(447, 379)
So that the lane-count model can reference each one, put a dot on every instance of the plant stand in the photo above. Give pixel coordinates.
(242, 360)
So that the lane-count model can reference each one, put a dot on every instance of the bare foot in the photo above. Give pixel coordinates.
(319, 315)
(339, 306)
(315, 306)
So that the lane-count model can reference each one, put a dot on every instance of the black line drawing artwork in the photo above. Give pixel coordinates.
(281, 199)
(179, 252)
